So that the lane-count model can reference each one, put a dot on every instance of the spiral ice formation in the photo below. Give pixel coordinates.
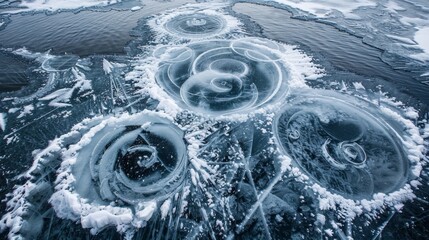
(195, 25)
(194, 21)
(346, 145)
(222, 77)
(121, 165)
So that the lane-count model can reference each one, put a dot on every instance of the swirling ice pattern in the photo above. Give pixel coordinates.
(129, 161)
(195, 25)
(223, 77)
(194, 22)
(346, 145)
(139, 163)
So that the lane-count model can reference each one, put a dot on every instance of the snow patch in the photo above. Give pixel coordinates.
(3, 121)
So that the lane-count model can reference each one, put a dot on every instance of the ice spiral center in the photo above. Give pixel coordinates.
(196, 25)
(196, 22)
(343, 154)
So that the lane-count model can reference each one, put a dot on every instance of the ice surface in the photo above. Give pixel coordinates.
(127, 163)
(54, 5)
(394, 26)
(324, 8)
(219, 79)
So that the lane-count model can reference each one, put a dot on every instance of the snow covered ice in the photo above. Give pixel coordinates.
(205, 127)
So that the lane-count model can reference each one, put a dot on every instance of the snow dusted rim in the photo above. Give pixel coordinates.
(299, 66)
(227, 24)
(413, 144)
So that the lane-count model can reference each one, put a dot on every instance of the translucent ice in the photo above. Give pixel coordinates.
(345, 144)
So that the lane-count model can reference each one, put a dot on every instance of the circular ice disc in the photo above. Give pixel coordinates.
(193, 25)
(343, 143)
(221, 77)
(129, 162)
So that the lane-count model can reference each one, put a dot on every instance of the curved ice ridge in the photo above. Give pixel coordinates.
(222, 77)
(350, 147)
(194, 21)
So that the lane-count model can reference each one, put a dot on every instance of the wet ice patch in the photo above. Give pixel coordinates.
(350, 147)
(221, 77)
(194, 21)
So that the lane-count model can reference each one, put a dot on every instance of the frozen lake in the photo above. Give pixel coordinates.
(214, 120)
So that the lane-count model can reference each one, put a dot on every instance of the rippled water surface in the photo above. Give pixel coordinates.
(213, 120)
